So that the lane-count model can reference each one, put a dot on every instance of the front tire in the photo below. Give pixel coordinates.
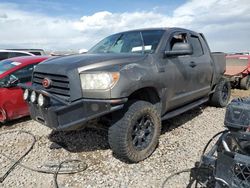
(222, 94)
(135, 136)
(245, 82)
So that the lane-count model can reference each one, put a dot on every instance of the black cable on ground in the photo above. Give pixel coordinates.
(189, 169)
(217, 134)
(54, 172)
(175, 174)
(16, 162)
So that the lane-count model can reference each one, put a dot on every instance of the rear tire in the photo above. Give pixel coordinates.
(135, 136)
(222, 94)
(245, 82)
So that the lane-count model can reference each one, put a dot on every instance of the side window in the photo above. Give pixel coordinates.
(3, 55)
(16, 54)
(24, 75)
(178, 38)
(196, 44)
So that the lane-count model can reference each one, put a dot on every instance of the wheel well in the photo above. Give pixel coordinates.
(146, 94)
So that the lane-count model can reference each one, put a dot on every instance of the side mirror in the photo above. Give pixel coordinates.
(179, 48)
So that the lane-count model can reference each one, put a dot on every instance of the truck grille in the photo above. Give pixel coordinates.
(59, 84)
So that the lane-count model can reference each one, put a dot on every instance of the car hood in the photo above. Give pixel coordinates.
(64, 65)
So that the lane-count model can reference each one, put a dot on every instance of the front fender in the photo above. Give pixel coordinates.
(134, 77)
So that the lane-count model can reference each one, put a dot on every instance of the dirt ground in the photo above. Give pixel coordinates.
(240, 93)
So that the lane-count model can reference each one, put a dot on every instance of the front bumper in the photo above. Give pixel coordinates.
(64, 115)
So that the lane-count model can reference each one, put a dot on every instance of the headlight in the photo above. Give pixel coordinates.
(101, 80)
(26, 95)
(33, 97)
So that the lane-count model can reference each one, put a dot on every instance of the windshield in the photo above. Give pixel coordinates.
(6, 65)
(129, 42)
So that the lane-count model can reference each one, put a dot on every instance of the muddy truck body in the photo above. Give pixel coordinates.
(133, 80)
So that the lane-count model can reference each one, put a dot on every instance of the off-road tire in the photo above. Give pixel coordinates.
(222, 94)
(245, 82)
(121, 133)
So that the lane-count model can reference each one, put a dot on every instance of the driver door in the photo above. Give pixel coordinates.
(181, 69)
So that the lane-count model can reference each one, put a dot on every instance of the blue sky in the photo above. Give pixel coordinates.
(77, 24)
(76, 8)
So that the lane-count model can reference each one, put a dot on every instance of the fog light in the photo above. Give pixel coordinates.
(41, 100)
(26, 95)
(33, 97)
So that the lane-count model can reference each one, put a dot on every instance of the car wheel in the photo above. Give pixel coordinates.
(222, 94)
(245, 83)
(135, 136)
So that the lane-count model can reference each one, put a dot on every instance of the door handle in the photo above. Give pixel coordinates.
(192, 64)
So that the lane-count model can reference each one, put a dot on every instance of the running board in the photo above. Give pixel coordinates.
(183, 109)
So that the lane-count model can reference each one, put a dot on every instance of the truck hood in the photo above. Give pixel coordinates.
(66, 64)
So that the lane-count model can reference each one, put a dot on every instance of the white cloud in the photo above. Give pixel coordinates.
(226, 24)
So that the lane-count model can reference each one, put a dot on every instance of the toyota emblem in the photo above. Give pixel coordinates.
(46, 82)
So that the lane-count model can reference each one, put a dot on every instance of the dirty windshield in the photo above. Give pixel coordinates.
(130, 42)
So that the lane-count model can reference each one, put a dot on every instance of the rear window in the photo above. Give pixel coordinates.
(6, 65)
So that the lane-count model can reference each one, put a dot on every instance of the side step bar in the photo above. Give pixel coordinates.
(183, 109)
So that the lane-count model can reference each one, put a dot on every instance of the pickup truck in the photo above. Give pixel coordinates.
(134, 80)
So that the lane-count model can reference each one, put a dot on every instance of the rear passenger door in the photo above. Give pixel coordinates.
(201, 66)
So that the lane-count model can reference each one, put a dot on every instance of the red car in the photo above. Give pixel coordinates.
(13, 71)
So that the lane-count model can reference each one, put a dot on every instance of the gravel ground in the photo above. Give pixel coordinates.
(181, 143)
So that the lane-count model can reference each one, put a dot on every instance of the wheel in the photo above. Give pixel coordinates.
(135, 136)
(245, 82)
(222, 94)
